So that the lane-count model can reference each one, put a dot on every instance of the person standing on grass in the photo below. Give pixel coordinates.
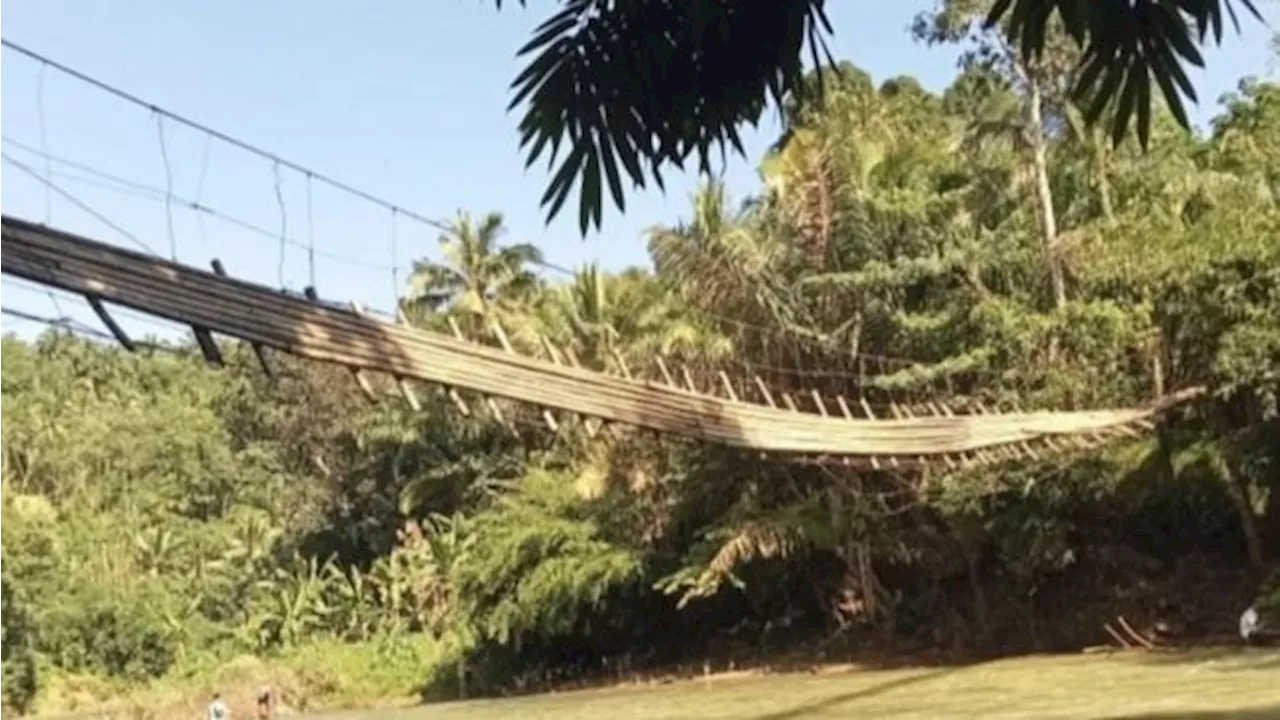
(217, 709)
(266, 703)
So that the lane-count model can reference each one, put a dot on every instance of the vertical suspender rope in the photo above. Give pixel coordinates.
(395, 260)
(284, 220)
(44, 145)
(311, 238)
(168, 186)
(204, 170)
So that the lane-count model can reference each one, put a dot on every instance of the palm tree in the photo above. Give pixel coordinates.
(602, 316)
(1015, 121)
(720, 260)
(479, 282)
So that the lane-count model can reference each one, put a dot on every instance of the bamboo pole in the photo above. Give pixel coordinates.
(944, 410)
(817, 400)
(728, 386)
(592, 428)
(688, 378)
(495, 411)
(848, 415)
(866, 408)
(946, 458)
(622, 363)
(208, 348)
(452, 392)
(118, 332)
(764, 390)
(406, 391)
(666, 373)
(221, 271)
(1025, 446)
(361, 381)
(506, 346)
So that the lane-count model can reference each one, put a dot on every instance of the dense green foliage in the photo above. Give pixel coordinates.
(161, 519)
(19, 687)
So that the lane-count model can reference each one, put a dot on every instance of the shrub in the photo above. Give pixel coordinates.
(20, 681)
(116, 636)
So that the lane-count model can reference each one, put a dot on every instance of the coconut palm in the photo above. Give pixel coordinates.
(630, 314)
(479, 281)
(720, 260)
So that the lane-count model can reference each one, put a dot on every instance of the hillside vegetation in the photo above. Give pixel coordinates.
(165, 525)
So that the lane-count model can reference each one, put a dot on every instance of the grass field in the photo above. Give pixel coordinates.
(1205, 684)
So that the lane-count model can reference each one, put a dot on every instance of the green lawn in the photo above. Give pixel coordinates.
(1204, 684)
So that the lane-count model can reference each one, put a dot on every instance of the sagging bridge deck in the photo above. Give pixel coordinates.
(212, 302)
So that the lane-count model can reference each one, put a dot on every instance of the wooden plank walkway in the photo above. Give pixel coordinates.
(266, 317)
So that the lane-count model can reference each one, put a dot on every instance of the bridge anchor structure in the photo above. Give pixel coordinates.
(212, 302)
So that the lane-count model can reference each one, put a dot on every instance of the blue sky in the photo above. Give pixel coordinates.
(405, 100)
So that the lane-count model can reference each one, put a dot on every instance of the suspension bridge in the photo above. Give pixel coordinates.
(838, 430)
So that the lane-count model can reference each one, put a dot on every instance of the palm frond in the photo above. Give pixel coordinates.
(625, 84)
(1126, 46)
(713, 65)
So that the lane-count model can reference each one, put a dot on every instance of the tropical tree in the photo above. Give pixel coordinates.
(719, 260)
(480, 281)
(161, 518)
(18, 660)
(603, 317)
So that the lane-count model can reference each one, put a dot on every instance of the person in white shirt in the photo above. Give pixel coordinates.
(217, 709)
(1249, 624)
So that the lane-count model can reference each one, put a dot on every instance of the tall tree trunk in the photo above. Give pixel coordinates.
(1040, 162)
(1157, 374)
(1100, 172)
(1155, 349)
(1238, 489)
(969, 553)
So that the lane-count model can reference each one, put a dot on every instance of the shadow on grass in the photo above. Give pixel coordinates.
(1267, 713)
(874, 690)
(1227, 658)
